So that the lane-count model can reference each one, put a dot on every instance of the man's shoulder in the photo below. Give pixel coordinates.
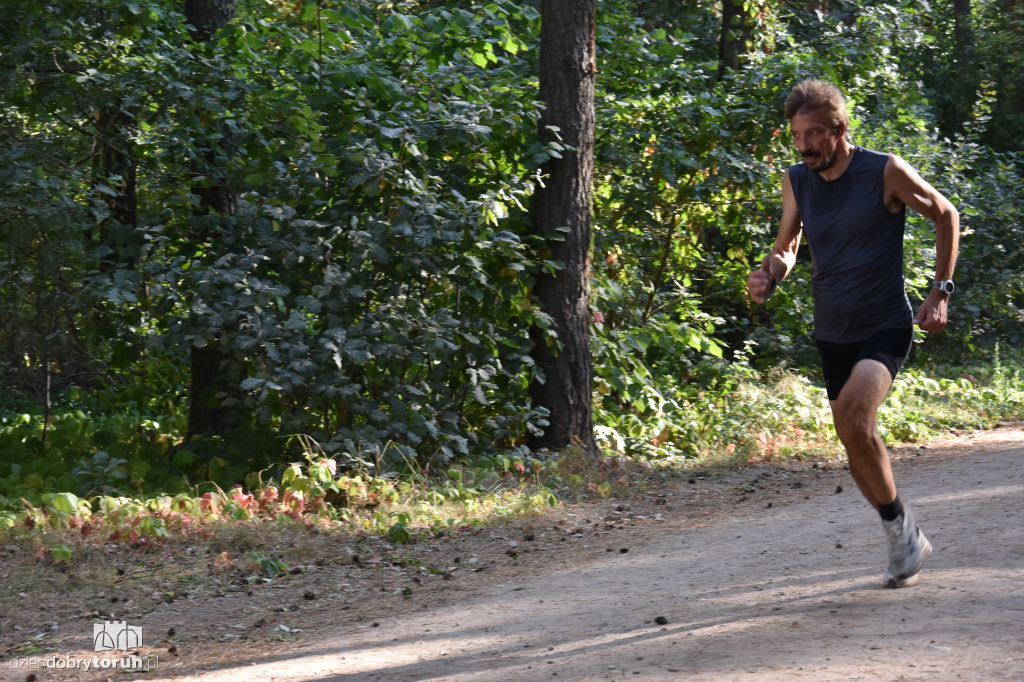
(872, 157)
(796, 170)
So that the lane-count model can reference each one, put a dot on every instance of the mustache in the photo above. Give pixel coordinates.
(810, 155)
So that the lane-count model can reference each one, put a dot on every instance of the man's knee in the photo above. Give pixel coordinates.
(855, 422)
(855, 412)
(856, 433)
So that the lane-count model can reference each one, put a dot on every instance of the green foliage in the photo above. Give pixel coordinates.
(367, 285)
(921, 407)
(973, 73)
(988, 310)
(100, 473)
(62, 554)
(364, 280)
(85, 449)
(712, 409)
(266, 567)
(399, 531)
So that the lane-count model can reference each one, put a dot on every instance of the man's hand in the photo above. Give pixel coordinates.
(759, 284)
(931, 316)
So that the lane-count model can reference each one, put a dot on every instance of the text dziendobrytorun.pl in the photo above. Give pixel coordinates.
(124, 663)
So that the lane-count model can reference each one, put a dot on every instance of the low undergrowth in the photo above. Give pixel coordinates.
(742, 417)
(737, 415)
(314, 498)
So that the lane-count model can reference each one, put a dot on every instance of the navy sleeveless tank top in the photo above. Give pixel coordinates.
(856, 250)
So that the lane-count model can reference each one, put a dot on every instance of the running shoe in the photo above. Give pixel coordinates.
(908, 550)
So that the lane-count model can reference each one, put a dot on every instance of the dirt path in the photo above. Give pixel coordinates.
(786, 585)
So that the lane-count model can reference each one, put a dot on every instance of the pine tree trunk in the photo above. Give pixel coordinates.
(561, 214)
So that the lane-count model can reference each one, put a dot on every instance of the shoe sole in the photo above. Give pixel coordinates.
(908, 580)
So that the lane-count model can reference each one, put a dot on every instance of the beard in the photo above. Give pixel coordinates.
(826, 162)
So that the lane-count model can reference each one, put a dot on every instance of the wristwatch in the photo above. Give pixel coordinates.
(944, 285)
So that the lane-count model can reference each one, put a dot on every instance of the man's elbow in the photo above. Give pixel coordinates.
(947, 215)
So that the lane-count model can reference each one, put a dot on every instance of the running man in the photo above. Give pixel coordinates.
(851, 204)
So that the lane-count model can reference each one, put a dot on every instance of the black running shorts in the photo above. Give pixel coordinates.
(891, 347)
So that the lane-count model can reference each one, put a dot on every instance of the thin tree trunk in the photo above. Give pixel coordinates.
(955, 111)
(561, 213)
(215, 398)
(115, 168)
(208, 16)
(737, 33)
(963, 33)
(743, 29)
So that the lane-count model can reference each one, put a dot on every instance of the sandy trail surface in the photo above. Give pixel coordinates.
(784, 586)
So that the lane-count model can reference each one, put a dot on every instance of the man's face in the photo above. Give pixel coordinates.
(815, 138)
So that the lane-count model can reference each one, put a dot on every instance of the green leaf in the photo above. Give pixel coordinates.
(62, 554)
(65, 502)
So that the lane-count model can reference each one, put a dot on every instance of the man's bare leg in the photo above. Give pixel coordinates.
(855, 414)
(856, 418)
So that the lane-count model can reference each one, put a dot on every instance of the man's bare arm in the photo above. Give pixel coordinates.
(780, 260)
(905, 185)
